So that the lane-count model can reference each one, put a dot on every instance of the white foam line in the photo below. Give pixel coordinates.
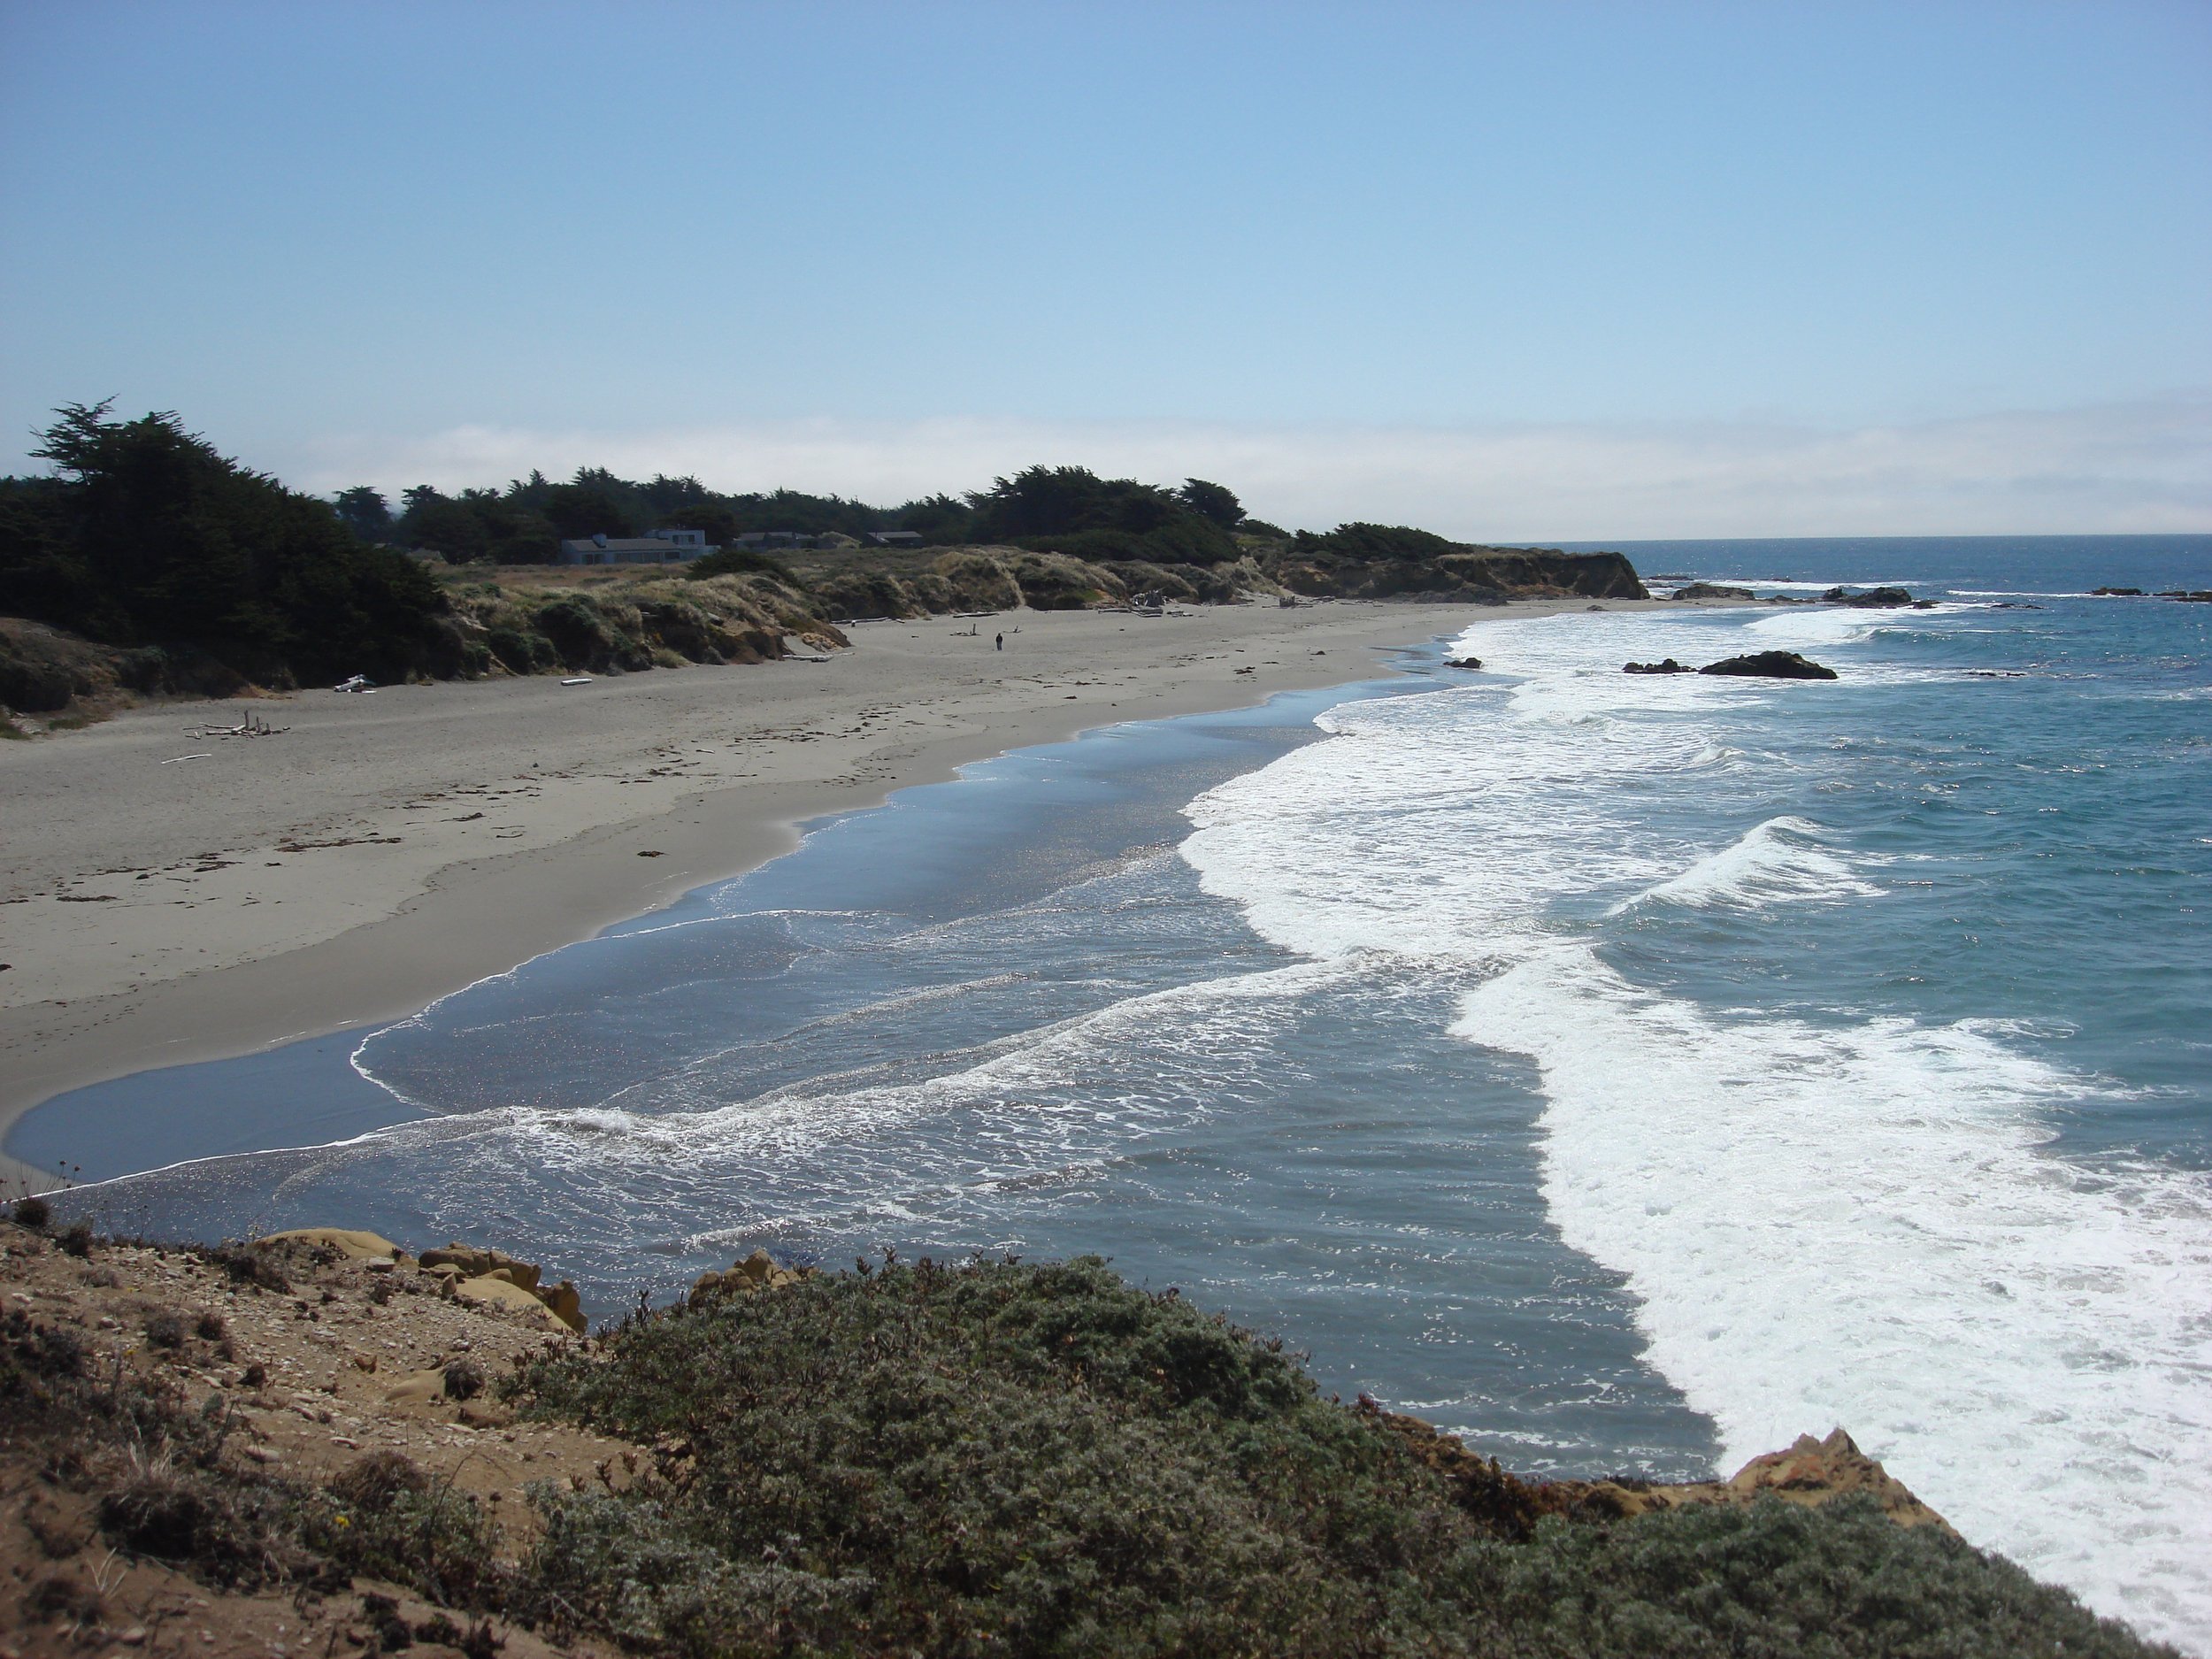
(1859, 1227)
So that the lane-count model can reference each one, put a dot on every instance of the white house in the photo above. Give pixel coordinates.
(656, 547)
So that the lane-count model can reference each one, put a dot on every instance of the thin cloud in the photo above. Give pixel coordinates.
(2115, 468)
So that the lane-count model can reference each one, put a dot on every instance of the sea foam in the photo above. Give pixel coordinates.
(1827, 1219)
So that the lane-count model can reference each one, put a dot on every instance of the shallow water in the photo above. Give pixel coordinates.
(1633, 1073)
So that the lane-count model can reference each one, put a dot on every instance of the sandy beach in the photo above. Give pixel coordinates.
(172, 898)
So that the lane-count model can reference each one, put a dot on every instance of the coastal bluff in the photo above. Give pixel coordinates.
(320, 1442)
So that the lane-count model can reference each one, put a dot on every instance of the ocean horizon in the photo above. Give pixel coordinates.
(1628, 1073)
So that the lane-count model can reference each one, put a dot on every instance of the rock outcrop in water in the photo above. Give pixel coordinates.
(1665, 665)
(1770, 666)
(1871, 599)
(1711, 590)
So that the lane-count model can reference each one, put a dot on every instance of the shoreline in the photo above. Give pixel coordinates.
(327, 879)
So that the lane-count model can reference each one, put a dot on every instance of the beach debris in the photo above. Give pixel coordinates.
(1770, 666)
(651, 852)
(202, 755)
(252, 726)
(360, 683)
(577, 680)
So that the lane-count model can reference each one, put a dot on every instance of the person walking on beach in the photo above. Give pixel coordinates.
(1000, 644)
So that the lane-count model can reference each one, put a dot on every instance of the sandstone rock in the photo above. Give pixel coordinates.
(1770, 666)
(756, 1273)
(424, 1388)
(1814, 1471)
(563, 1303)
(475, 1263)
(1810, 1472)
(484, 1290)
(355, 1247)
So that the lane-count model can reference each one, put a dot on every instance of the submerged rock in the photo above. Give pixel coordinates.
(2117, 593)
(1770, 665)
(1667, 665)
(1463, 661)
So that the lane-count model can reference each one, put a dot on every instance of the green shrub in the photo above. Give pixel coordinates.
(520, 653)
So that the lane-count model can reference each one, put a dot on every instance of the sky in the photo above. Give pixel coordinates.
(1511, 272)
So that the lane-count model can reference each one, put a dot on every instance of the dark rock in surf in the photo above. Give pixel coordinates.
(2117, 593)
(1872, 599)
(1711, 590)
(2189, 596)
(1463, 661)
(1669, 666)
(1770, 665)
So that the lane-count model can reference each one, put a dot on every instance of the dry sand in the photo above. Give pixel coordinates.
(171, 899)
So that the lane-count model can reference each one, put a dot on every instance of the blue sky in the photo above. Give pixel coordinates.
(1517, 271)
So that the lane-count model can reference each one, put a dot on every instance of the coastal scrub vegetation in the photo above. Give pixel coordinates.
(990, 1457)
(996, 1458)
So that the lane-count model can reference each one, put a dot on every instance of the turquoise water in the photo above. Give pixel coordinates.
(1631, 1072)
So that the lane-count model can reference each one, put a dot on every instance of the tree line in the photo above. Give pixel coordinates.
(1063, 509)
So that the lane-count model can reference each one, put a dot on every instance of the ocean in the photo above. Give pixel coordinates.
(1630, 1073)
